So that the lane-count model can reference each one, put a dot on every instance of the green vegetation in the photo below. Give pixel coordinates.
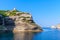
(2, 12)
(15, 11)
(5, 13)
(9, 13)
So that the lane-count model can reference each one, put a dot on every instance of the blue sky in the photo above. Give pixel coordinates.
(44, 12)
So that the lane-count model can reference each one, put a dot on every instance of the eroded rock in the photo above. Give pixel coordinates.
(16, 21)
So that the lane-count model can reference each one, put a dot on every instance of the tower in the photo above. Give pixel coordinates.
(14, 9)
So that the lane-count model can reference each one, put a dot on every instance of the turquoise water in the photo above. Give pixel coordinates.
(47, 34)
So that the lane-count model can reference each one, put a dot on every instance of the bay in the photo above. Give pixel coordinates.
(46, 34)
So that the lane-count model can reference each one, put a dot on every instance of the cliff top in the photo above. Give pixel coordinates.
(11, 12)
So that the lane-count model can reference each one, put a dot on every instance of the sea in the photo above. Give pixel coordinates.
(46, 34)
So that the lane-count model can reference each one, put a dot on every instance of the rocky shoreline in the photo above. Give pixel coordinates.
(16, 31)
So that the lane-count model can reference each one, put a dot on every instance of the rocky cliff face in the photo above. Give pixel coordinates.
(16, 21)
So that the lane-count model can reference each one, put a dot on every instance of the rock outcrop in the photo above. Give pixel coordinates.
(18, 21)
(58, 26)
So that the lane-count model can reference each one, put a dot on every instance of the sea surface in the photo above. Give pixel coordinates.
(46, 34)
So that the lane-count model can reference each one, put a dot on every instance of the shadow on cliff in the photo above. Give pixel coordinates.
(7, 23)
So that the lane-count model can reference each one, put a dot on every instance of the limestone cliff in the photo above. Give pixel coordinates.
(16, 20)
